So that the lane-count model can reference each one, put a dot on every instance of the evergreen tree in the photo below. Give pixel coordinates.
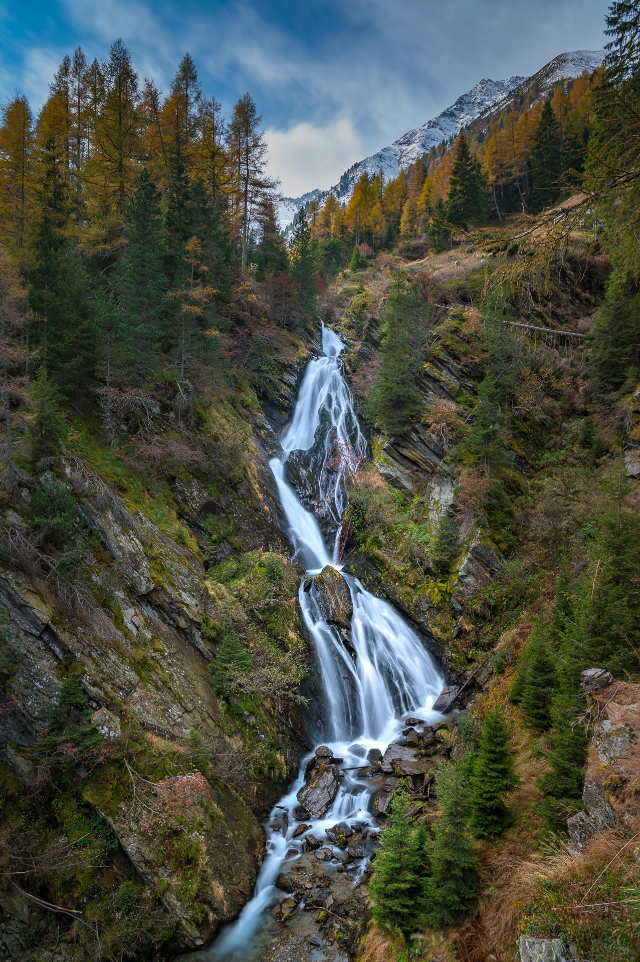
(397, 886)
(439, 231)
(453, 883)
(397, 398)
(357, 262)
(539, 684)
(466, 205)
(180, 212)
(139, 282)
(232, 660)
(446, 544)
(70, 723)
(302, 266)
(546, 164)
(493, 778)
(615, 337)
(47, 429)
(562, 785)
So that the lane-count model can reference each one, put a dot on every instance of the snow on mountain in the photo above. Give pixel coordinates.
(485, 96)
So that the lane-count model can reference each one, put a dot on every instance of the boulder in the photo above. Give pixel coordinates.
(445, 698)
(541, 950)
(323, 751)
(324, 854)
(319, 792)
(414, 721)
(374, 755)
(593, 679)
(288, 907)
(312, 842)
(413, 739)
(382, 799)
(403, 760)
(335, 597)
(339, 834)
(357, 846)
(284, 883)
(300, 830)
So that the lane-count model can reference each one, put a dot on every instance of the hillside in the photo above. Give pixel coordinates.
(487, 96)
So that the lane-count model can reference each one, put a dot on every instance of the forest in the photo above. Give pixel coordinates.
(155, 324)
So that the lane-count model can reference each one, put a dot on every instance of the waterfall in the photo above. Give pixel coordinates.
(366, 696)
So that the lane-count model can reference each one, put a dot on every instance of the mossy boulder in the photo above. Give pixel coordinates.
(335, 597)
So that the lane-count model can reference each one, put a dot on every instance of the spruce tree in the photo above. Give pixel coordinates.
(561, 786)
(47, 428)
(546, 164)
(493, 778)
(439, 231)
(446, 544)
(139, 282)
(397, 398)
(302, 266)
(453, 883)
(397, 886)
(232, 660)
(615, 337)
(466, 204)
(70, 723)
(539, 685)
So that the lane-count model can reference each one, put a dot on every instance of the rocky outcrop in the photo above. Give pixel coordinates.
(613, 768)
(541, 950)
(319, 792)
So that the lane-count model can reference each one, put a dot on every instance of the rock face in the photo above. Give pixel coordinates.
(541, 950)
(319, 792)
(403, 760)
(613, 761)
(335, 597)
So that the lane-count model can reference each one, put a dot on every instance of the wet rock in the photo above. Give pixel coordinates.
(311, 843)
(288, 907)
(413, 739)
(374, 755)
(414, 721)
(340, 834)
(292, 852)
(323, 751)
(300, 830)
(445, 698)
(324, 854)
(541, 950)
(284, 883)
(382, 799)
(403, 760)
(357, 846)
(335, 597)
(319, 792)
(358, 750)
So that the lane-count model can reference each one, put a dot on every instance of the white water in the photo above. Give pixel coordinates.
(392, 675)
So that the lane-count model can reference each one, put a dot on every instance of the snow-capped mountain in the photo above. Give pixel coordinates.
(487, 95)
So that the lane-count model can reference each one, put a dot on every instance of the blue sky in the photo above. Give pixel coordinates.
(334, 81)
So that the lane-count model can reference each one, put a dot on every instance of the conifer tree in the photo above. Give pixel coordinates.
(70, 722)
(47, 428)
(14, 355)
(397, 887)
(397, 398)
(446, 544)
(439, 231)
(562, 784)
(539, 684)
(232, 660)
(180, 211)
(466, 204)
(453, 883)
(139, 283)
(546, 164)
(357, 260)
(302, 266)
(493, 778)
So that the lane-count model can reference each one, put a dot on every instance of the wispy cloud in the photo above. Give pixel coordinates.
(306, 156)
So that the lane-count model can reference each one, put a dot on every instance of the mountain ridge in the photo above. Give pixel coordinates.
(485, 96)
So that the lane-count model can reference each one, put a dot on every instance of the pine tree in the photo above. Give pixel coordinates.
(138, 282)
(493, 778)
(453, 883)
(540, 683)
(397, 398)
(47, 428)
(546, 164)
(397, 887)
(466, 204)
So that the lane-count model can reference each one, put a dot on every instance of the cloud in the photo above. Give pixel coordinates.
(307, 156)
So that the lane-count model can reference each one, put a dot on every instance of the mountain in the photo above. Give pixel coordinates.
(487, 95)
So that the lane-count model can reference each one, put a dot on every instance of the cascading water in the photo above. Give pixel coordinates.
(367, 696)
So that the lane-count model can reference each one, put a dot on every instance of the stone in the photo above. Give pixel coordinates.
(319, 792)
(382, 799)
(632, 462)
(284, 883)
(300, 830)
(445, 698)
(593, 679)
(357, 846)
(311, 842)
(413, 739)
(414, 721)
(614, 744)
(288, 907)
(335, 597)
(323, 751)
(339, 834)
(403, 760)
(324, 854)
(374, 755)
(541, 950)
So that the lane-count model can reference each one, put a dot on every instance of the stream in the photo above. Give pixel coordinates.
(372, 678)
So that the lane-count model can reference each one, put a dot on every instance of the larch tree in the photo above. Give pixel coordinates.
(247, 148)
(16, 168)
(14, 352)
